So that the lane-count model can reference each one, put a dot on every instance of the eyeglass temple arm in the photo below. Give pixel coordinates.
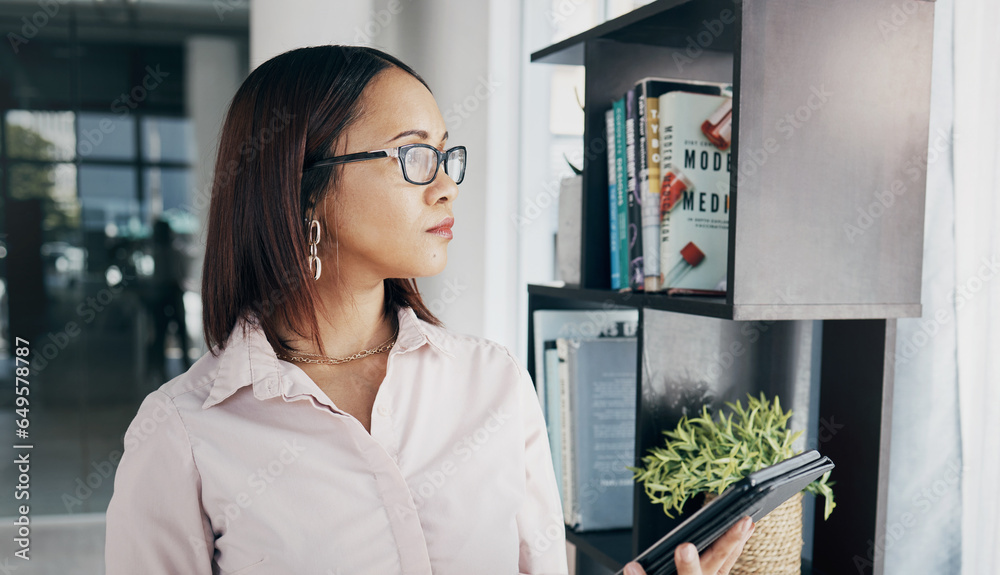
(358, 157)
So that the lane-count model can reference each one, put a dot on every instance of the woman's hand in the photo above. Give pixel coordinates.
(716, 560)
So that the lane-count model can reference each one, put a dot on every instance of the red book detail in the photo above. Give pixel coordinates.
(691, 254)
(719, 126)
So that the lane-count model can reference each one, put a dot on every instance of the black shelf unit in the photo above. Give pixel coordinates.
(794, 264)
(611, 548)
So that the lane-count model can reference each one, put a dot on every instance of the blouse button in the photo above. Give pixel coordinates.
(383, 410)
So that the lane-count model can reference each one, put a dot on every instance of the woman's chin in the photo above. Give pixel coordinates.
(431, 267)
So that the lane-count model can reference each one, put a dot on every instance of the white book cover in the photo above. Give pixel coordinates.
(694, 194)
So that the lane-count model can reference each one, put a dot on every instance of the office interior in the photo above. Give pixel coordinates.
(109, 120)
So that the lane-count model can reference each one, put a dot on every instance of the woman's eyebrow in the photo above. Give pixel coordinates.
(422, 134)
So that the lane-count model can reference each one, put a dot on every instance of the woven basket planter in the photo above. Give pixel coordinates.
(775, 548)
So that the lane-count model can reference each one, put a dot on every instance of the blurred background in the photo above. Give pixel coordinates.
(109, 117)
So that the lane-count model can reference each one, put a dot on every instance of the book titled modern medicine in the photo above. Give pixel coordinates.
(694, 192)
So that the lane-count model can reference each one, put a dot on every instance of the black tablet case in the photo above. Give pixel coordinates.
(755, 495)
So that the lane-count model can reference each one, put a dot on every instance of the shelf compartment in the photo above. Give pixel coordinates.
(827, 181)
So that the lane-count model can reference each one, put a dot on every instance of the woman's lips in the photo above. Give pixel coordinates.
(443, 229)
(443, 232)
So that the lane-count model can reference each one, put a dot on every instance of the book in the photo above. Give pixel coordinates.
(609, 121)
(549, 324)
(648, 91)
(694, 195)
(621, 191)
(552, 411)
(565, 454)
(648, 179)
(598, 378)
(636, 280)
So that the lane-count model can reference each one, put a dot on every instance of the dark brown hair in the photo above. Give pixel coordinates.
(290, 111)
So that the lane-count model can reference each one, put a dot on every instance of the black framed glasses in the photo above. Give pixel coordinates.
(419, 162)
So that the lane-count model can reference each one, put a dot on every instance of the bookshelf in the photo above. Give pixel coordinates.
(830, 123)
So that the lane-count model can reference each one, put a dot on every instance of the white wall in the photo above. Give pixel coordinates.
(277, 26)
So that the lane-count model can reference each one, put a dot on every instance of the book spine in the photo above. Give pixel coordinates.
(609, 121)
(554, 412)
(651, 199)
(635, 279)
(666, 164)
(621, 192)
(569, 477)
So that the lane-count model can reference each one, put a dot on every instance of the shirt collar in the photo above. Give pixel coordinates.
(249, 359)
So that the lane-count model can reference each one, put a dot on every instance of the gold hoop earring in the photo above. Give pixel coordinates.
(315, 266)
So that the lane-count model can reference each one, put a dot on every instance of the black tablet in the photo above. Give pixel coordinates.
(755, 495)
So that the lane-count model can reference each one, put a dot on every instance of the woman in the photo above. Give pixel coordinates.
(337, 426)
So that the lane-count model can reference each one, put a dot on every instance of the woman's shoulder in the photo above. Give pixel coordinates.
(462, 345)
(189, 389)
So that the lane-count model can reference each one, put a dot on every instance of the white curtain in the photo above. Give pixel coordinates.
(923, 523)
(944, 513)
(977, 275)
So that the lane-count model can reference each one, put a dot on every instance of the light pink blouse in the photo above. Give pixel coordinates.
(243, 465)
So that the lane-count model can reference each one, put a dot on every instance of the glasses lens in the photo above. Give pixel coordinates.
(454, 165)
(420, 164)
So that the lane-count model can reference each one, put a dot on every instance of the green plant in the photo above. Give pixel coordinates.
(703, 455)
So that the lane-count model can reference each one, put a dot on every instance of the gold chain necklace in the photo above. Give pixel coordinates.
(326, 360)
